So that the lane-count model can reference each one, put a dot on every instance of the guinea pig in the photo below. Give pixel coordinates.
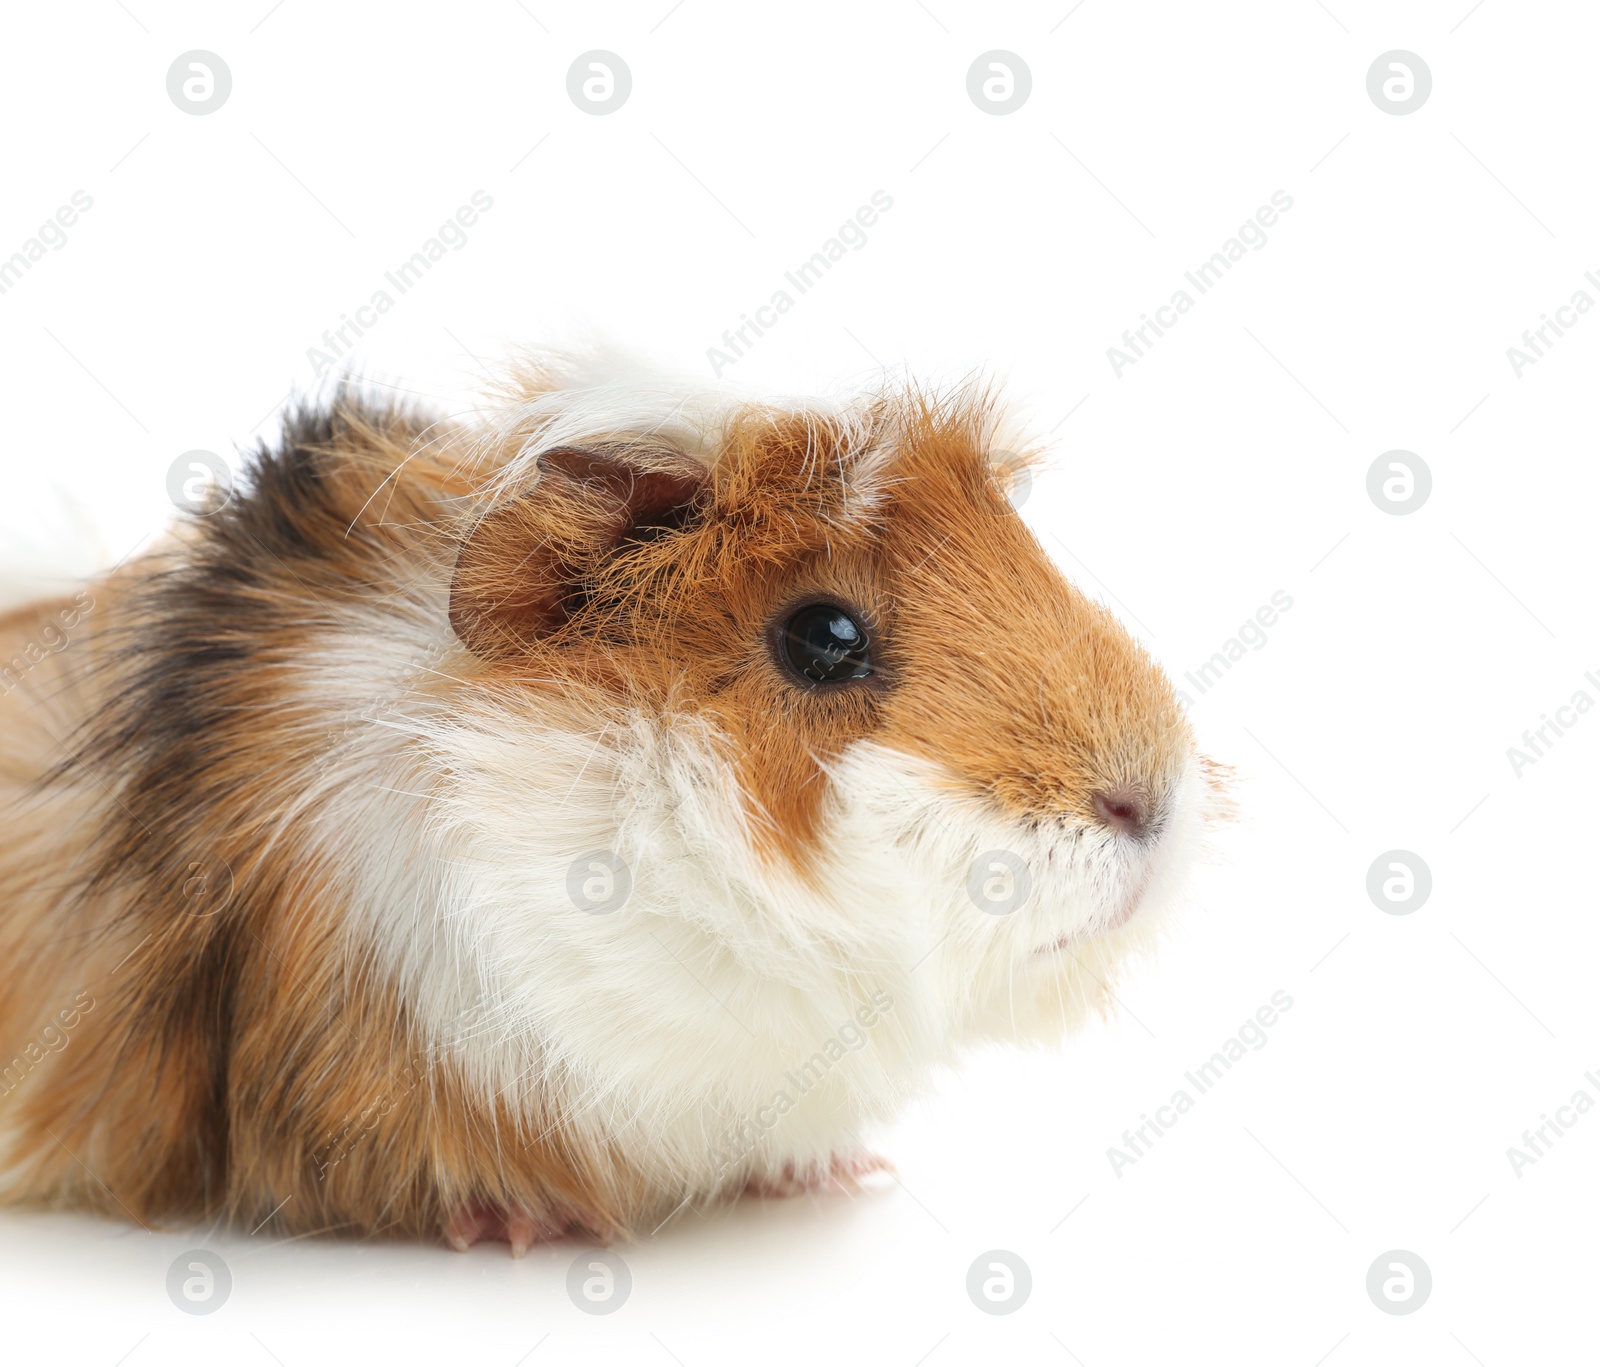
(541, 822)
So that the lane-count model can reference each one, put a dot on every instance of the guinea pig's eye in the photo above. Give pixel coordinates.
(824, 644)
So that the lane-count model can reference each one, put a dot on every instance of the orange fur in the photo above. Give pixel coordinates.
(156, 776)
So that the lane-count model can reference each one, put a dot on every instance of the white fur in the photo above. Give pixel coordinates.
(670, 1024)
(671, 1027)
(607, 396)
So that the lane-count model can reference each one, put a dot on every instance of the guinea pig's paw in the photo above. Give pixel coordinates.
(477, 1221)
(841, 1173)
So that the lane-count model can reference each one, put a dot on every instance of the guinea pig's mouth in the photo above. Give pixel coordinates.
(1118, 918)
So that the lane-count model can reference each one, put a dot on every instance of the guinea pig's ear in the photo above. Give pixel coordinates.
(523, 564)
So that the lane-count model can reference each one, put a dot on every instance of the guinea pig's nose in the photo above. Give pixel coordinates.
(1124, 810)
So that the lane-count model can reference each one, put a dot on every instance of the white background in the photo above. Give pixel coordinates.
(1228, 463)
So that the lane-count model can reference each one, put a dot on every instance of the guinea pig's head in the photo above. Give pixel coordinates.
(813, 692)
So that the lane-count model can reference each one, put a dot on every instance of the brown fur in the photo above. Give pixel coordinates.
(157, 776)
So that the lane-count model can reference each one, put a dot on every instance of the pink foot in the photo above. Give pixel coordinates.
(478, 1221)
(839, 1174)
